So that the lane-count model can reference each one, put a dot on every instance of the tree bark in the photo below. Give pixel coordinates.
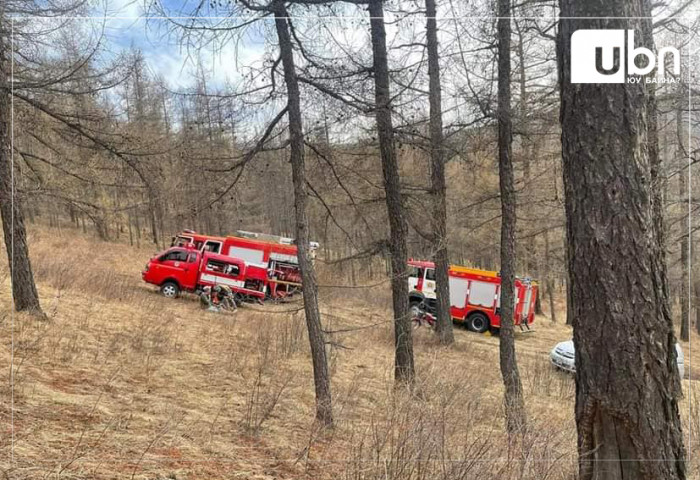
(24, 293)
(152, 216)
(514, 403)
(322, 381)
(549, 284)
(538, 303)
(627, 382)
(404, 369)
(437, 177)
(682, 193)
(657, 179)
(697, 304)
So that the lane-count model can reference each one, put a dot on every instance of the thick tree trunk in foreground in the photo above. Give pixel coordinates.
(658, 181)
(657, 178)
(514, 403)
(437, 177)
(627, 383)
(24, 291)
(404, 369)
(322, 381)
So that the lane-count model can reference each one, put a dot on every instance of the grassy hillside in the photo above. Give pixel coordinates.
(120, 382)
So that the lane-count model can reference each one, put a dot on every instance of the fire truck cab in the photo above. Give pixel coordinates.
(181, 269)
(475, 298)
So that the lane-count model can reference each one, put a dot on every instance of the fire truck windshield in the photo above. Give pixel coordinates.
(415, 272)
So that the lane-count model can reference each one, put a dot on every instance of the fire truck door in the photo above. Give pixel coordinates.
(176, 264)
(415, 278)
(429, 283)
(190, 271)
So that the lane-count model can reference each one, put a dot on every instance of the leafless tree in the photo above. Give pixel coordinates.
(24, 292)
(437, 176)
(35, 76)
(404, 363)
(322, 381)
(513, 400)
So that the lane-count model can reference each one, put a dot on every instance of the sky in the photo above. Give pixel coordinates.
(127, 27)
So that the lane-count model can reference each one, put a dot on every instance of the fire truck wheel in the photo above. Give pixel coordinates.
(170, 289)
(478, 322)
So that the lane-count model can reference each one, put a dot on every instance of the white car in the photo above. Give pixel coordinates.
(563, 356)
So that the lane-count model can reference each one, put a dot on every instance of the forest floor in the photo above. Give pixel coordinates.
(121, 382)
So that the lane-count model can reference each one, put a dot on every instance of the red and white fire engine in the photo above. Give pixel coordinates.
(181, 269)
(475, 295)
(277, 255)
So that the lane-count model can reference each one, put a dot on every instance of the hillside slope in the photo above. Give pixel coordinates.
(123, 383)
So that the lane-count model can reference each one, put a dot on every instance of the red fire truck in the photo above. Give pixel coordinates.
(278, 255)
(475, 296)
(187, 269)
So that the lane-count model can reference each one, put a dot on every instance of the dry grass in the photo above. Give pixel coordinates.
(122, 383)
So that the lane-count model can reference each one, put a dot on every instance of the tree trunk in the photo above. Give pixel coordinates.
(322, 381)
(514, 403)
(567, 280)
(627, 382)
(657, 179)
(682, 193)
(404, 369)
(697, 305)
(131, 230)
(24, 293)
(538, 303)
(437, 177)
(549, 284)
